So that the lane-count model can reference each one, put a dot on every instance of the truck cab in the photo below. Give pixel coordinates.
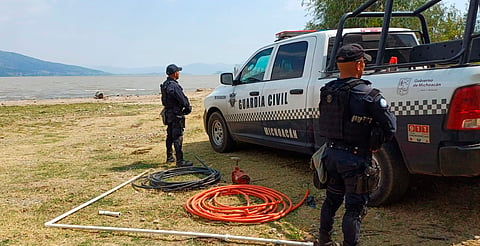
(278, 81)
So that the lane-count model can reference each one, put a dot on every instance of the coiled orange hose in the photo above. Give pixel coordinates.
(276, 204)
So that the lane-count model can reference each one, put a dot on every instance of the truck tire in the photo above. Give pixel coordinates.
(218, 133)
(394, 176)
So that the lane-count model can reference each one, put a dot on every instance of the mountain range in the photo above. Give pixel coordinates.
(14, 64)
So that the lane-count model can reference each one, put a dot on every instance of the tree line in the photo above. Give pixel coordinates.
(443, 20)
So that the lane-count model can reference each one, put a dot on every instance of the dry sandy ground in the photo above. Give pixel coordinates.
(152, 99)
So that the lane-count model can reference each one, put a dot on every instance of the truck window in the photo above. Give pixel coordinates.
(255, 68)
(290, 61)
(399, 44)
(370, 41)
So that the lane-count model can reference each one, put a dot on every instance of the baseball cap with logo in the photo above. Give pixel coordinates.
(351, 52)
(172, 68)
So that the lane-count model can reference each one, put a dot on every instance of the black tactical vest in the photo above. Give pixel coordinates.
(335, 113)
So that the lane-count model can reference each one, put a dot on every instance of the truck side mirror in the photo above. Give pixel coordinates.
(226, 78)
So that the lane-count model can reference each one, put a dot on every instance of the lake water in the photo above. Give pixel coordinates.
(25, 88)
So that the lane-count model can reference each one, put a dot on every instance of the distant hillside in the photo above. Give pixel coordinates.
(13, 64)
(193, 69)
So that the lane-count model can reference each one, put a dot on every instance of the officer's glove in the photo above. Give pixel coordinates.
(187, 110)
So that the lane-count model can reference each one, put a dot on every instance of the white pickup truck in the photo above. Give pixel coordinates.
(433, 89)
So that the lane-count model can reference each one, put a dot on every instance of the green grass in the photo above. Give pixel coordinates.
(13, 114)
(138, 165)
(56, 157)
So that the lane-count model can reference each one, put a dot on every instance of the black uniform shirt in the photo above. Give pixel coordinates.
(175, 98)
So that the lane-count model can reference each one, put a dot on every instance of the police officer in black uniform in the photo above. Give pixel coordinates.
(356, 120)
(176, 106)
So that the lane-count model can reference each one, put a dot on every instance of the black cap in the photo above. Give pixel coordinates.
(351, 52)
(172, 68)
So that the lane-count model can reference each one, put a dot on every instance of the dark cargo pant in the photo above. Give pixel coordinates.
(175, 138)
(342, 167)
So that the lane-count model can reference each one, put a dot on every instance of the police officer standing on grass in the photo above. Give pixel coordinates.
(176, 106)
(356, 120)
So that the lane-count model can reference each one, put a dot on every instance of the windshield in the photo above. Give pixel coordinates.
(255, 68)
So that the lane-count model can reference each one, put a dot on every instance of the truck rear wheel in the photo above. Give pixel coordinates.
(394, 176)
(218, 133)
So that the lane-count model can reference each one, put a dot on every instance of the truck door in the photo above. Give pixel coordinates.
(245, 103)
(284, 114)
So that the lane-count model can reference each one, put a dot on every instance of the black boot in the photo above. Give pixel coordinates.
(331, 243)
(170, 159)
(325, 239)
(170, 155)
(184, 163)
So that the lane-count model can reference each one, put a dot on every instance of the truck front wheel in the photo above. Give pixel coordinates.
(394, 176)
(218, 133)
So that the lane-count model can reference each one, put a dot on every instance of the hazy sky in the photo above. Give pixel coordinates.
(144, 33)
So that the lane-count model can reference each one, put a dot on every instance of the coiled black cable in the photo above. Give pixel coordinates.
(157, 180)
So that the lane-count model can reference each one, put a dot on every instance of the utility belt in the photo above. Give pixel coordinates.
(177, 111)
(364, 182)
(172, 115)
(360, 151)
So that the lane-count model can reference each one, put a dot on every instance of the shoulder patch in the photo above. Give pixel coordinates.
(383, 103)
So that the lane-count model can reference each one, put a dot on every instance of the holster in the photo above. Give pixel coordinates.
(181, 120)
(163, 115)
(368, 181)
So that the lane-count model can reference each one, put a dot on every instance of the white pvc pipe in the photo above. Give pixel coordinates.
(109, 213)
(225, 237)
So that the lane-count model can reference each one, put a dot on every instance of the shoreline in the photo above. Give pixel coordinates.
(139, 99)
